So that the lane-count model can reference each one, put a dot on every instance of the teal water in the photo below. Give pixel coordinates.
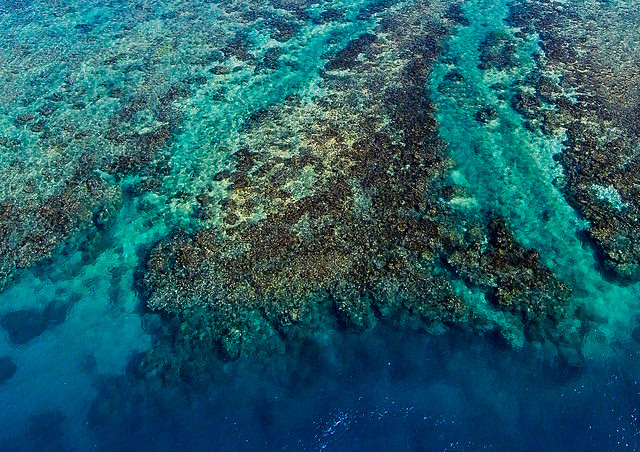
(359, 391)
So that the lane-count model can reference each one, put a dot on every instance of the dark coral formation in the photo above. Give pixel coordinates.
(591, 77)
(339, 203)
(497, 51)
(8, 368)
(26, 324)
(347, 57)
(33, 231)
(513, 278)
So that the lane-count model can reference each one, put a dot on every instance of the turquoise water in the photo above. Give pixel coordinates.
(72, 382)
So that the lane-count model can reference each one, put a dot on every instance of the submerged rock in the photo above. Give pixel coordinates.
(8, 368)
(486, 114)
(25, 325)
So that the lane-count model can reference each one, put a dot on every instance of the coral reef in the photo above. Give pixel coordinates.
(338, 203)
(74, 126)
(88, 114)
(288, 157)
(590, 77)
(513, 278)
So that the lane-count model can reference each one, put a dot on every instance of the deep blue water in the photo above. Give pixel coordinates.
(383, 389)
(74, 329)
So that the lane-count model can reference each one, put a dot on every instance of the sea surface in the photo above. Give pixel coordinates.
(74, 324)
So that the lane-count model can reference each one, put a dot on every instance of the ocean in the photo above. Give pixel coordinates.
(313, 225)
